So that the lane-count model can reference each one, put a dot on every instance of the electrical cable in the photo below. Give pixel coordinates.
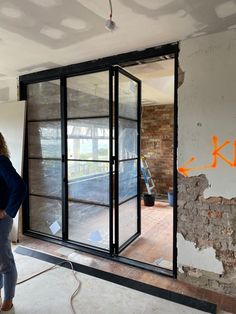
(110, 24)
(76, 291)
(110, 9)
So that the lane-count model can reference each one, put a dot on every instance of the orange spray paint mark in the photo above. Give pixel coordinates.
(216, 153)
(183, 170)
(234, 153)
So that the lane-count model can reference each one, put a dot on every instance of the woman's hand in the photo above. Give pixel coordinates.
(3, 214)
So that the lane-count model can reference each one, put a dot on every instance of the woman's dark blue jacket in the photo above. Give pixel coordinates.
(12, 187)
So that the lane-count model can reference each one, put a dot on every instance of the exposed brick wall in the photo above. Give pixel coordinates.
(208, 223)
(157, 144)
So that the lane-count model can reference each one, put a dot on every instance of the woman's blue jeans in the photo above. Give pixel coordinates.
(8, 272)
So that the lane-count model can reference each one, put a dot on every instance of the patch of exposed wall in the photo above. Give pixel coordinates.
(206, 237)
(207, 154)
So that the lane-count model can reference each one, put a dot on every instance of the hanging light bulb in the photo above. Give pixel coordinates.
(110, 24)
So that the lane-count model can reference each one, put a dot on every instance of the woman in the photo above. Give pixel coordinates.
(12, 193)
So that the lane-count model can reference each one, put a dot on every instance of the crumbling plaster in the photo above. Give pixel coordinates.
(206, 238)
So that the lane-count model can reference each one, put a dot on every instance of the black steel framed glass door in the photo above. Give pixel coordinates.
(103, 127)
(83, 159)
(127, 157)
(49, 210)
(88, 160)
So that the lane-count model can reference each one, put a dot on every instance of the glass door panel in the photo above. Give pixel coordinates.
(128, 139)
(89, 224)
(88, 95)
(88, 159)
(127, 180)
(44, 158)
(128, 95)
(88, 181)
(127, 200)
(128, 217)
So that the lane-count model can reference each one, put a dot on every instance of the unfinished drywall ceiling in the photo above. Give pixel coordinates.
(157, 82)
(39, 34)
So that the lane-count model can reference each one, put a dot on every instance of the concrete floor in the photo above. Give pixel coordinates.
(50, 293)
(225, 304)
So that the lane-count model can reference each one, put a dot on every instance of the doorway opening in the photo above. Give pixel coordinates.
(154, 246)
(99, 138)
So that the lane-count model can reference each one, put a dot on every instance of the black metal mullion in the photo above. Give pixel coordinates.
(87, 160)
(128, 159)
(116, 160)
(45, 196)
(139, 156)
(63, 98)
(128, 199)
(175, 173)
(88, 202)
(44, 158)
(128, 119)
(130, 240)
(87, 118)
(127, 74)
(111, 215)
(45, 120)
(25, 205)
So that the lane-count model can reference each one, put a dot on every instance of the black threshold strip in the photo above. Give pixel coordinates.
(126, 282)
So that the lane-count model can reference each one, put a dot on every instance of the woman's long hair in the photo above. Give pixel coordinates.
(3, 147)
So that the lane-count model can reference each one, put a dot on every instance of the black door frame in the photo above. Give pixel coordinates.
(61, 73)
(117, 71)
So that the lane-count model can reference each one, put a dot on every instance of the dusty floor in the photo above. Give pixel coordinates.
(50, 293)
(224, 303)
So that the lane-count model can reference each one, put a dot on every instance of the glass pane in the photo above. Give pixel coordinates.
(45, 177)
(44, 139)
(43, 100)
(88, 139)
(45, 215)
(128, 97)
(88, 95)
(88, 181)
(127, 179)
(127, 139)
(127, 220)
(89, 224)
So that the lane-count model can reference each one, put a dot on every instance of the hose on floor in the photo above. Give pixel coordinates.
(76, 291)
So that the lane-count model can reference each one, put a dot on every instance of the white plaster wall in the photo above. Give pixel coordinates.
(12, 126)
(11, 84)
(205, 259)
(207, 107)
